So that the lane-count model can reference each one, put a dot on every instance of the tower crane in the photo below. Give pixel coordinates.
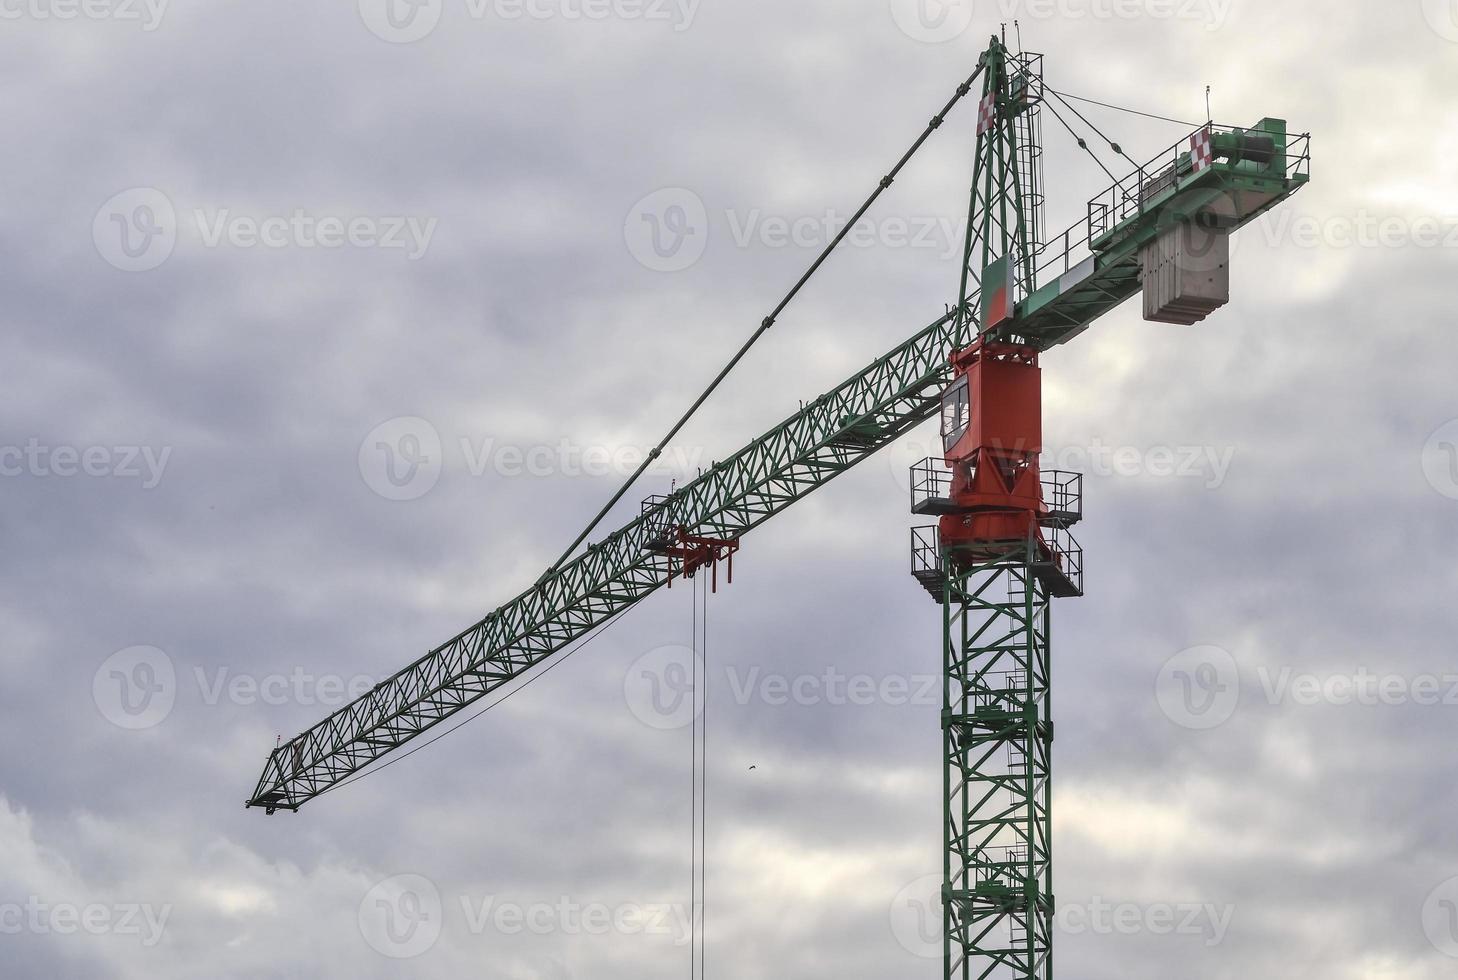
(1001, 548)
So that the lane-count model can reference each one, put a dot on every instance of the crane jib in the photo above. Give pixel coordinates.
(829, 436)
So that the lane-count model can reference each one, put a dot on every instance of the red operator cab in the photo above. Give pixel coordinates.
(992, 434)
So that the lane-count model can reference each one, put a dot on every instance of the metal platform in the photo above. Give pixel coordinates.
(1061, 568)
(659, 518)
(1058, 563)
(931, 487)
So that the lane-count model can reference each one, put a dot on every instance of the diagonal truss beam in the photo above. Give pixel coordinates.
(829, 436)
(826, 438)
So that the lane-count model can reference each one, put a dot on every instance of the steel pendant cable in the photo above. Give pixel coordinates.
(1120, 108)
(1082, 143)
(586, 639)
(769, 321)
(1112, 144)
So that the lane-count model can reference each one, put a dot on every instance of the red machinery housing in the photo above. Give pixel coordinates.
(991, 497)
(992, 433)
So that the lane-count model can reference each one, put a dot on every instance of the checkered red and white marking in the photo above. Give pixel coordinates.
(1201, 155)
(987, 113)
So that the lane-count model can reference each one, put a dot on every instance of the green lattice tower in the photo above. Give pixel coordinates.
(997, 887)
(997, 740)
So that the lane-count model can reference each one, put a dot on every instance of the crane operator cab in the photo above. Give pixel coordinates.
(991, 496)
(992, 433)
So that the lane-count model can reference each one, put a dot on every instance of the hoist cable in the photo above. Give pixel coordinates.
(694, 776)
(704, 790)
(699, 781)
(767, 322)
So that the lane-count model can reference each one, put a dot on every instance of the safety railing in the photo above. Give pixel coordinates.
(1004, 865)
(1056, 255)
(1063, 496)
(1063, 553)
(1066, 555)
(659, 520)
(931, 490)
(926, 551)
(1129, 197)
(1002, 691)
(931, 482)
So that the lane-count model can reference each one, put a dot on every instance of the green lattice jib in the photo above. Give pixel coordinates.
(997, 736)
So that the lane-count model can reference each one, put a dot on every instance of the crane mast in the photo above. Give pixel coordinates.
(1002, 547)
(996, 557)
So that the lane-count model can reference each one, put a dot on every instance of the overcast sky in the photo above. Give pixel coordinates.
(249, 243)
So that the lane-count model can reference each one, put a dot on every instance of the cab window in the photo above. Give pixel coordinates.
(956, 414)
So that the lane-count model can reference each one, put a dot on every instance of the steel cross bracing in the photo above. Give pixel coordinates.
(832, 434)
(828, 436)
(997, 741)
(997, 902)
(998, 214)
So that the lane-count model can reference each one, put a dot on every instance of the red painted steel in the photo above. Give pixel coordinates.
(992, 448)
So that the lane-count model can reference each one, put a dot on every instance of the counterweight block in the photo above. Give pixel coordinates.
(1185, 271)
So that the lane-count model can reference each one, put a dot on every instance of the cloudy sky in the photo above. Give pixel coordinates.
(248, 242)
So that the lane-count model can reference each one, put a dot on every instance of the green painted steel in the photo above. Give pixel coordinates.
(1091, 268)
(833, 433)
(997, 901)
(999, 226)
(1085, 272)
(997, 727)
(997, 732)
